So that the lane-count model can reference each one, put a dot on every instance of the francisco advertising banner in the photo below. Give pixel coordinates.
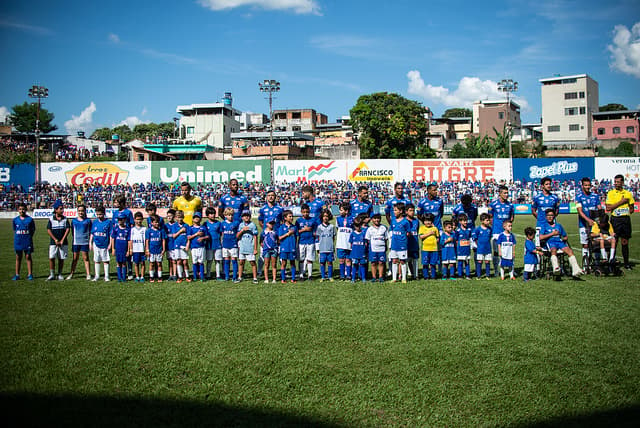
(379, 170)
(559, 169)
(607, 168)
(22, 174)
(104, 173)
(455, 169)
(207, 172)
(310, 171)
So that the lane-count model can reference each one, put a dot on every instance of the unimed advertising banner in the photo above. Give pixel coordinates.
(607, 168)
(454, 169)
(23, 174)
(556, 168)
(104, 173)
(205, 172)
(309, 171)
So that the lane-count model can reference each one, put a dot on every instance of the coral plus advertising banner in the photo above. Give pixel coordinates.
(558, 169)
(373, 170)
(22, 174)
(457, 170)
(309, 171)
(208, 172)
(96, 173)
(607, 168)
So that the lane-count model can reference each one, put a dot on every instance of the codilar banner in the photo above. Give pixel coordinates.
(379, 170)
(308, 171)
(92, 173)
(207, 172)
(607, 168)
(22, 174)
(455, 169)
(559, 169)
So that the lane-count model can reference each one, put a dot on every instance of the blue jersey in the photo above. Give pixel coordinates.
(23, 231)
(358, 207)
(482, 237)
(228, 230)
(195, 243)
(543, 202)
(180, 241)
(170, 229)
(268, 213)
(155, 238)
(239, 203)
(471, 211)
(121, 237)
(413, 243)
(81, 230)
(400, 230)
(448, 249)
(547, 228)
(288, 244)
(433, 206)
(507, 245)
(127, 212)
(161, 222)
(215, 240)
(500, 211)
(358, 245)
(588, 203)
(315, 209)
(101, 232)
(463, 241)
(530, 256)
(388, 208)
(269, 240)
(307, 237)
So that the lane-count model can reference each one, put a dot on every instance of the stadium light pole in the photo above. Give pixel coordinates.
(38, 92)
(508, 86)
(269, 87)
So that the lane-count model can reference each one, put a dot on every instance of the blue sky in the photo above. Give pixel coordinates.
(106, 63)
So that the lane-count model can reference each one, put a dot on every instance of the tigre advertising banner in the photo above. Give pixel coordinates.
(208, 172)
(428, 170)
(376, 170)
(558, 169)
(96, 173)
(309, 171)
(607, 168)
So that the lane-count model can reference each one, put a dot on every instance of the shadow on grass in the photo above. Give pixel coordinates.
(37, 410)
(623, 417)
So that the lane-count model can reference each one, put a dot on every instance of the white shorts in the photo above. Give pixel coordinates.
(307, 252)
(248, 257)
(395, 254)
(181, 254)
(464, 258)
(197, 255)
(230, 253)
(529, 267)
(100, 255)
(448, 262)
(584, 236)
(155, 258)
(484, 257)
(214, 254)
(60, 252)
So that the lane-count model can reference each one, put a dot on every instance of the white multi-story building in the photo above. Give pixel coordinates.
(209, 124)
(568, 103)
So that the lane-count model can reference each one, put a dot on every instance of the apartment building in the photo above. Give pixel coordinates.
(298, 120)
(488, 115)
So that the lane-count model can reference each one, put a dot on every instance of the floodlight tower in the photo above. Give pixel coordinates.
(269, 87)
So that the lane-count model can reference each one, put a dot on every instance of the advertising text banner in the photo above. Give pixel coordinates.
(607, 168)
(22, 174)
(558, 169)
(309, 171)
(377, 170)
(211, 172)
(428, 170)
(94, 173)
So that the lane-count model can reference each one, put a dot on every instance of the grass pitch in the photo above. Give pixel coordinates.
(438, 353)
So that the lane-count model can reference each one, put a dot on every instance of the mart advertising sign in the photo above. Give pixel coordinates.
(96, 173)
(207, 172)
(307, 171)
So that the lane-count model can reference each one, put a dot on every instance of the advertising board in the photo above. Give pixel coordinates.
(558, 169)
(607, 168)
(211, 172)
(22, 174)
(308, 171)
(92, 173)
(378, 170)
(455, 169)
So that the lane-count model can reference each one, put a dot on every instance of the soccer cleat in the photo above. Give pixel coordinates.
(274, 281)
(255, 280)
(266, 281)
(404, 281)
(179, 280)
(236, 281)
(283, 281)
(106, 279)
(188, 279)
(152, 280)
(70, 276)
(141, 279)
(30, 277)
(88, 277)
(502, 277)
(95, 278)
(159, 279)
(321, 280)
(331, 280)
(294, 281)
(15, 277)
(60, 277)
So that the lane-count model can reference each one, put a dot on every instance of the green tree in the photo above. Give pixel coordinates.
(475, 147)
(390, 126)
(612, 107)
(124, 132)
(625, 148)
(102, 134)
(501, 142)
(457, 112)
(23, 118)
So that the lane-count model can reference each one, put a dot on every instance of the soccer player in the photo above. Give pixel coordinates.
(306, 227)
(448, 251)
(214, 244)
(152, 210)
(269, 238)
(430, 236)
(543, 201)
(137, 246)
(326, 235)
(229, 230)
(247, 245)
(156, 245)
(316, 206)
(501, 210)
(506, 247)
(358, 250)
(586, 202)
(187, 203)
(170, 228)
(400, 230)
(234, 200)
(468, 208)
(120, 236)
(413, 243)
(121, 202)
(532, 253)
(287, 235)
(463, 246)
(24, 228)
(376, 238)
(344, 223)
(621, 204)
(58, 229)
(432, 204)
(398, 197)
(270, 211)
(180, 230)
(81, 228)
(100, 243)
(556, 239)
(197, 237)
(362, 205)
(482, 237)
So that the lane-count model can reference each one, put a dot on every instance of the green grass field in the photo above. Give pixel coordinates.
(439, 353)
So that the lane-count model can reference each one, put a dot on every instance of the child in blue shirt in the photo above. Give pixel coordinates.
(81, 228)
(180, 253)
(99, 241)
(169, 227)
(287, 235)
(555, 237)
(482, 237)
(358, 250)
(23, 229)
(269, 241)
(306, 227)
(248, 244)
(448, 250)
(413, 242)
(120, 245)
(344, 225)
(506, 248)
(463, 246)
(229, 230)
(155, 246)
(400, 231)
(198, 237)
(531, 254)
(214, 243)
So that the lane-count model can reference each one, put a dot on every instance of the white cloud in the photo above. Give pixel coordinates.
(131, 121)
(114, 38)
(625, 50)
(144, 111)
(81, 122)
(469, 90)
(33, 29)
(4, 112)
(297, 6)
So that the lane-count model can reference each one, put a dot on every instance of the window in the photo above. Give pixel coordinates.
(583, 110)
(296, 115)
(140, 157)
(553, 128)
(296, 128)
(630, 129)
(570, 95)
(500, 115)
(191, 130)
(616, 129)
(574, 127)
(571, 111)
(600, 131)
(581, 93)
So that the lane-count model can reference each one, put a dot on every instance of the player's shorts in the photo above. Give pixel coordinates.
(197, 255)
(23, 250)
(506, 263)
(138, 258)
(307, 252)
(181, 254)
(78, 248)
(558, 245)
(396, 254)
(175, 254)
(169, 254)
(464, 258)
(287, 255)
(58, 252)
(530, 267)
(272, 253)
(326, 257)
(484, 257)
(121, 257)
(413, 254)
(155, 258)
(377, 257)
(341, 253)
(430, 258)
(248, 257)
(214, 254)
(584, 235)
(449, 262)
(621, 226)
(100, 255)
(360, 261)
(229, 253)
